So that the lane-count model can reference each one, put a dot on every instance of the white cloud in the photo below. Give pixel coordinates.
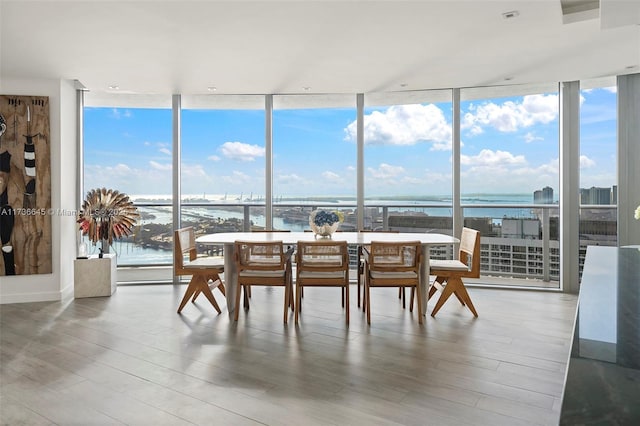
(241, 151)
(386, 171)
(612, 89)
(118, 113)
(405, 125)
(511, 116)
(510, 177)
(121, 168)
(194, 171)
(291, 179)
(586, 162)
(489, 158)
(165, 151)
(530, 137)
(213, 158)
(157, 166)
(237, 177)
(127, 179)
(331, 176)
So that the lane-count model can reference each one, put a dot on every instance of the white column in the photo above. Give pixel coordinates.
(268, 145)
(569, 185)
(176, 107)
(360, 160)
(628, 158)
(458, 219)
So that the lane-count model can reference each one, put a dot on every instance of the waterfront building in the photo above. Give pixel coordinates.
(543, 196)
(596, 195)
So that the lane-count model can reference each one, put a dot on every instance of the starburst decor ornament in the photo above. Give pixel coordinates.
(325, 223)
(107, 215)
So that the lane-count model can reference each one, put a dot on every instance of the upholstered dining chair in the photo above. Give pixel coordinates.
(205, 271)
(392, 264)
(361, 271)
(265, 263)
(322, 263)
(449, 273)
(247, 288)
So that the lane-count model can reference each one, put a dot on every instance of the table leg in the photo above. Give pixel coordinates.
(230, 277)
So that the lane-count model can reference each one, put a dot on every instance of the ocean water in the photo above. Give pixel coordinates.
(132, 254)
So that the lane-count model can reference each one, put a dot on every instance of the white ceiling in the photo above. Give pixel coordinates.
(352, 46)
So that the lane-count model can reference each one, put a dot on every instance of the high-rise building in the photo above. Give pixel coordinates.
(543, 196)
(596, 195)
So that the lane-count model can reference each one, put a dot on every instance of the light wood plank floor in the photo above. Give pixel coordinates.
(130, 359)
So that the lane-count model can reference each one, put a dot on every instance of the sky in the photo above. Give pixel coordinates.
(509, 146)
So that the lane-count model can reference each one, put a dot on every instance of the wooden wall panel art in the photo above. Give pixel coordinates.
(25, 185)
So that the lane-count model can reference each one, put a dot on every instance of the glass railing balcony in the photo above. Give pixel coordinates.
(519, 243)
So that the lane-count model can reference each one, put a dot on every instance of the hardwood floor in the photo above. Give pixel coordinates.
(130, 359)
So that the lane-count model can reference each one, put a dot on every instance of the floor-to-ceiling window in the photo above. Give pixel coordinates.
(509, 174)
(407, 161)
(314, 159)
(222, 169)
(509, 167)
(598, 164)
(128, 148)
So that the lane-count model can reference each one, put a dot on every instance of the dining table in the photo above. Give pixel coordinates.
(228, 239)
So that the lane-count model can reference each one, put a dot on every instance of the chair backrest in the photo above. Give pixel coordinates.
(322, 255)
(184, 242)
(260, 256)
(470, 251)
(395, 256)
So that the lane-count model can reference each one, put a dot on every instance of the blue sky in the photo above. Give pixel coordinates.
(509, 145)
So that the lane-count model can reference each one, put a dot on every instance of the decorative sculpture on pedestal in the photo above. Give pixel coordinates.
(107, 215)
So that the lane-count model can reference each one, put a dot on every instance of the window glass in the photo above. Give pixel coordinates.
(128, 149)
(314, 159)
(510, 157)
(407, 157)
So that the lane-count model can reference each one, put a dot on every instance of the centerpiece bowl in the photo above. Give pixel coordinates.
(324, 223)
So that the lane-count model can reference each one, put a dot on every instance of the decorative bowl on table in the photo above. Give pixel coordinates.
(324, 223)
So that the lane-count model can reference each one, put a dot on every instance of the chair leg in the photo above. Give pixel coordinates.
(204, 288)
(346, 290)
(364, 298)
(191, 289)
(287, 302)
(448, 290)
(367, 300)
(455, 286)
(360, 272)
(437, 285)
(245, 299)
(298, 299)
(195, 295)
(221, 287)
(461, 293)
(413, 295)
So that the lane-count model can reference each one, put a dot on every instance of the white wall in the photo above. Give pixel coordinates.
(62, 113)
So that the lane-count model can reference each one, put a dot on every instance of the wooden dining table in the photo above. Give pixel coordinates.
(227, 239)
